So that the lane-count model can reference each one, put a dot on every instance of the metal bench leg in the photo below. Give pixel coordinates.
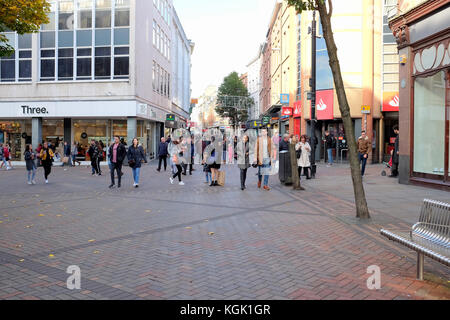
(420, 261)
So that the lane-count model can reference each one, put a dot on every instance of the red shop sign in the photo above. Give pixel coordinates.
(324, 104)
(297, 109)
(286, 111)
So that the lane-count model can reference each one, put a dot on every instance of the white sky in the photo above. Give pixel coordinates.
(226, 33)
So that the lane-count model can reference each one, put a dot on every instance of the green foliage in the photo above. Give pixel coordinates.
(22, 16)
(301, 5)
(233, 99)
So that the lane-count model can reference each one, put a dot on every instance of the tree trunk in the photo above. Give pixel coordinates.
(362, 211)
(295, 177)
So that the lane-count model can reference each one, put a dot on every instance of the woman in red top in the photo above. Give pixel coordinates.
(6, 157)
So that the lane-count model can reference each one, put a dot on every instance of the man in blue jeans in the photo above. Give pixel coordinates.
(329, 145)
(264, 153)
(364, 145)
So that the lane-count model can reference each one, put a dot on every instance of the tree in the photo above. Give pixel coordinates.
(233, 99)
(22, 16)
(362, 211)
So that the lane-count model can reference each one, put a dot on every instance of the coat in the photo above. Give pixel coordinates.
(243, 154)
(364, 145)
(137, 154)
(43, 155)
(162, 149)
(303, 161)
(121, 153)
(31, 164)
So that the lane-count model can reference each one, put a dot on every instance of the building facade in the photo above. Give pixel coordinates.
(254, 83)
(422, 31)
(100, 68)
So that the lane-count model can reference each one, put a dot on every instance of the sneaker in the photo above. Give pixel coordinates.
(33, 181)
(266, 188)
(136, 186)
(46, 181)
(118, 186)
(171, 180)
(259, 184)
(112, 186)
(65, 169)
(181, 183)
(29, 182)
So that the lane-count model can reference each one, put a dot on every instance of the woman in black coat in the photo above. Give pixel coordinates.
(135, 157)
(243, 159)
(31, 164)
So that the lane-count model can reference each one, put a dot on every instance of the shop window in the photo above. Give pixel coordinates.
(103, 63)
(429, 124)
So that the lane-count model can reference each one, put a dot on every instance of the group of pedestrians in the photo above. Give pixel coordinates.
(45, 157)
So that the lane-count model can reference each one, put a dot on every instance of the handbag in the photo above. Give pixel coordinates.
(298, 153)
(221, 178)
(65, 160)
(132, 163)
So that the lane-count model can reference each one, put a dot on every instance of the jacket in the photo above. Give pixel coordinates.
(162, 149)
(29, 161)
(121, 153)
(303, 161)
(364, 145)
(137, 154)
(259, 152)
(6, 152)
(43, 155)
(284, 145)
(93, 152)
(243, 154)
(329, 142)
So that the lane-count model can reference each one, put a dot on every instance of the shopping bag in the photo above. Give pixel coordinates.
(221, 178)
(65, 160)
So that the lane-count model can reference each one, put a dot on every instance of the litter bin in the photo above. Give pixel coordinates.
(285, 171)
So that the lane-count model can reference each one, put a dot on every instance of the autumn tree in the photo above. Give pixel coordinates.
(22, 16)
(233, 99)
(362, 211)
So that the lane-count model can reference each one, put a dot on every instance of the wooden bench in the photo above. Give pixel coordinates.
(429, 237)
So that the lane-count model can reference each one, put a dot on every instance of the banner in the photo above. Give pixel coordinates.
(297, 109)
(286, 111)
(324, 104)
(391, 101)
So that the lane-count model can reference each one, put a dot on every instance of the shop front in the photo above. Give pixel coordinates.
(424, 49)
(79, 123)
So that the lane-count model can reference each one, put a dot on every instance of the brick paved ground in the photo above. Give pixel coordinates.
(156, 242)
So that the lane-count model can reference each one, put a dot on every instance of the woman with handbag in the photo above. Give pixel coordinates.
(47, 157)
(31, 164)
(214, 162)
(303, 151)
(135, 157)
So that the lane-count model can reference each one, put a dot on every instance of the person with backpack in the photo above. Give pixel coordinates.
(30, 163)
(135, 157)
(47, 157)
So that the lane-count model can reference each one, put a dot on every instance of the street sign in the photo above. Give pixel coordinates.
(284, 98)
(365, 109)
(170, 117)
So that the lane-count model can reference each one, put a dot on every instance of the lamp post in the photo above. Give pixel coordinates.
(313, 96)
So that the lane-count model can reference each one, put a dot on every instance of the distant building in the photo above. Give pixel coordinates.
(254, 83)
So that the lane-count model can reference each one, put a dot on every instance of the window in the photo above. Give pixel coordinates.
(25, 57)
(84, 64)
(84, 14)
(48, 47)
(429, 124)
(154, 76)
(51, 25)
(66, 17)
(102, 63)
(121, 62)
(65, 64)
(122, 13)
(324, 75)
(103, 13)
(154, 33)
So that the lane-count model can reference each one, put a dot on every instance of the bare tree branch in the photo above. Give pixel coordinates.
(330, 8)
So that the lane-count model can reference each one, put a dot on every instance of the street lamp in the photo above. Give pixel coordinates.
(313, 96)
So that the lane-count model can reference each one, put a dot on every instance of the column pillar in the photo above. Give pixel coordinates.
(131, 130)
(36, 132)
(68, 130)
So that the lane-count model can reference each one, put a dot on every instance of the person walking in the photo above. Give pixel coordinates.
(177, 162)
(100, 147)
(30, 163)
(162, 154)
(47, 157)
(263, 152)
(364, 145)
(214, 162)
(93, 154)
(191, 164)
(206, 167)
(135, 157)
(330, 144)
(395, 154)
(243, 155)
(117, 153)
(2, 158)
(303, 150)
(67, 159)
(6, 157)
(74, 153)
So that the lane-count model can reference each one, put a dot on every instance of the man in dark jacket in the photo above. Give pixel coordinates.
(162, 154)
(117, 153)
(67, 153)
(395, 154)
(330, 144)
(93, 154)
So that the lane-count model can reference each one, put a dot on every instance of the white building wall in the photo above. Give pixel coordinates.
(254, 85)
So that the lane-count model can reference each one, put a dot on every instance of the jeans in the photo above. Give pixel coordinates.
(136, 173)
(31, 173)
(364, 161)
(208, 177)
(330, 155)
(265, 170)
(117, 167)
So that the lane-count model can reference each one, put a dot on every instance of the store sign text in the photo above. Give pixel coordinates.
(32, 110)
